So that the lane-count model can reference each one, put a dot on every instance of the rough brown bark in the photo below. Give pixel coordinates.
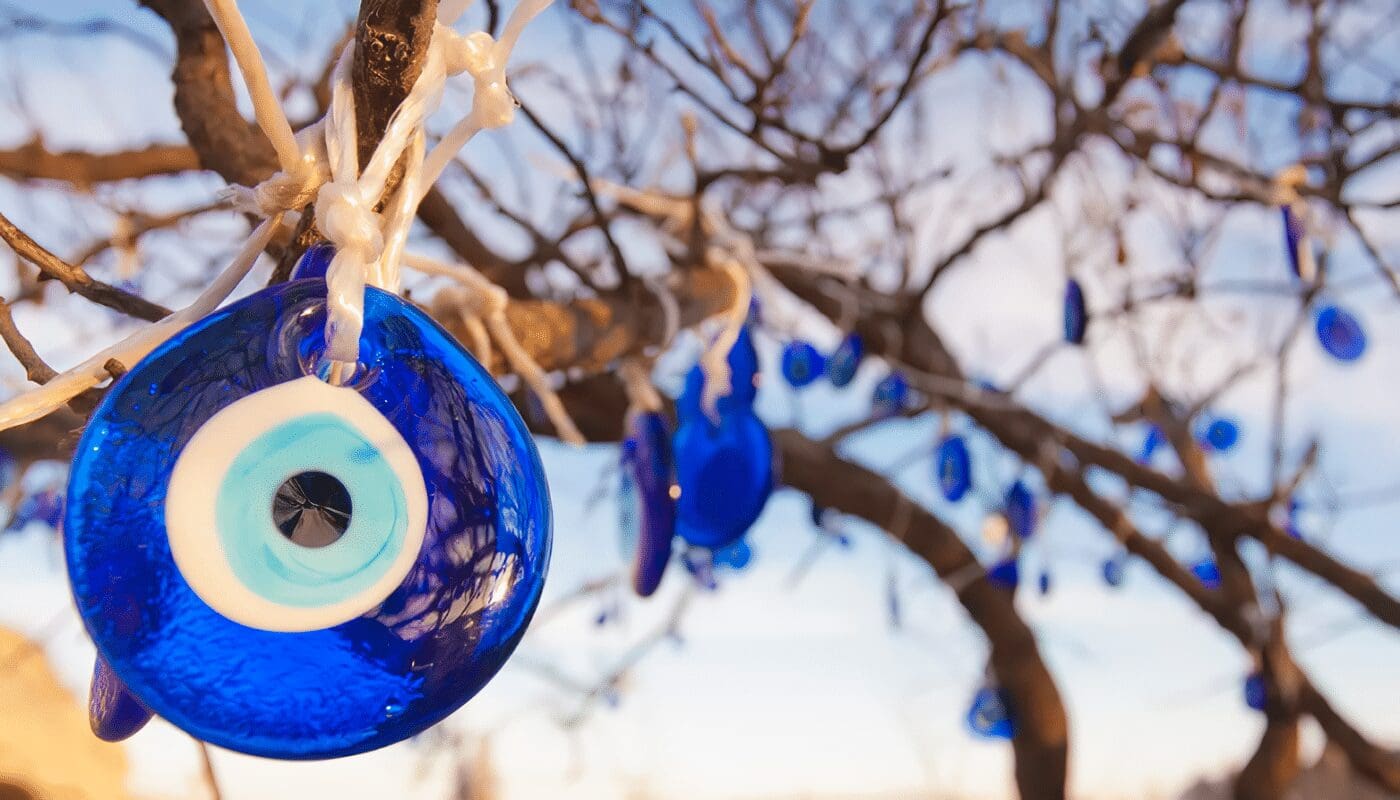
(204, 97)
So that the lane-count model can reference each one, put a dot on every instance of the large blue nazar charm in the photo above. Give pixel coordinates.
(646, 459)
(292, 569)
(724, 471)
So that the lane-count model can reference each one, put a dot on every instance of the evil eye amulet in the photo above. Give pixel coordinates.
(724, 469)
(647, 464)
(841, 366)
(989, 715)
(294, 569)
(802, 364)
(1340, 334)
(954, 464)
(1076, 313)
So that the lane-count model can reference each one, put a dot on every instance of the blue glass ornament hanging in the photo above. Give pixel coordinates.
(989, 715)
(891, 396)
(1076, 313)
(1296, 244)
(844, 361)
(954, 464)
(1005, 573)
(724, 468)
(1151, 442)
(1207, 573)
(1114, 568)
(1044, 583)
(802, 364)
(1292, 522)
(1256, 693)
(1220, 435)
(646, 461)
(1340, 334)
(1020, 510)
(314, 262)
(292, 569)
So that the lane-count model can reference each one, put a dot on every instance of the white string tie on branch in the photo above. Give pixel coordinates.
(321, 163)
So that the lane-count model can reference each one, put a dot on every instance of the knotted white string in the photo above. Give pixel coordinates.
(488, 302)
(36, 403)
(321, 163)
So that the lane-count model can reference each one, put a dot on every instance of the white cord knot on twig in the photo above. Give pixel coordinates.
(348, 221)
(286, 190)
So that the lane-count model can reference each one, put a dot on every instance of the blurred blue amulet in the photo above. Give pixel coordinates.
(802, 364)
(646, 460)
(294, 569)
(989, 716)
(954, 465)
(1340, 334)
(1076, 313)
(843, 363)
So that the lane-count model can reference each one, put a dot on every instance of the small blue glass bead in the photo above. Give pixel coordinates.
(1293, 525)
(1005, 574)
(1340, 334)
(1255, 692)
(802, 364)
(1293, 239)
(376, 679)
(647, 461)
(1076, 313)
(1044, 583)
(1220, 435)
(1207, 573)
(891, 395)
(314, 262)
(954, 465)
(989, 715)
(1020, 509)
(736, 556)
(1151, 441)
(843, 363)
(1114, 569)
(113, 712)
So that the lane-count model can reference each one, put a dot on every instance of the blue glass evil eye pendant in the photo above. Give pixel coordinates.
(646, 461)
(1020, 509)
(1340, 334)
(724, 467)
(989, 715)
(1076, 313)
(954, 464)
(293, 569)
(841, 366)
(802, 364)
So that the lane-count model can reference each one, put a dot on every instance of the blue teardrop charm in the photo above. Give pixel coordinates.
(647, 462)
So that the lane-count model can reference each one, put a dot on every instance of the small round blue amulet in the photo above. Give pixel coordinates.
(294, 569)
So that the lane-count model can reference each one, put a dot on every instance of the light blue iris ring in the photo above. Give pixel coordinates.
(271, 565)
